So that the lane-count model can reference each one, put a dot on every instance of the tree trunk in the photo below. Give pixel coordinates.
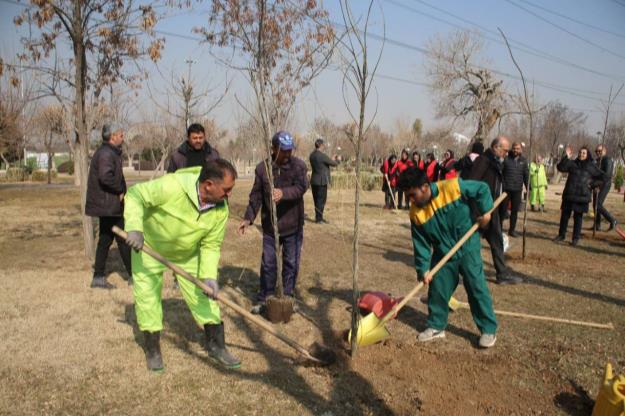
(81, 162)
(50, 155)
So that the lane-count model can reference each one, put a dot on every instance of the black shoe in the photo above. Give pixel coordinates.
(513, 234)
(612, 225)
(100, 282)
(559, 238)
(216, 346)
(574, 242)
(533, 208)
(153, 350)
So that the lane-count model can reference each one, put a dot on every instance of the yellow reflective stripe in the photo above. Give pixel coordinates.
(448, 192)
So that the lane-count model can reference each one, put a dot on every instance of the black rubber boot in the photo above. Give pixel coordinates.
(100, 282)
(216, 345)
(153, 350)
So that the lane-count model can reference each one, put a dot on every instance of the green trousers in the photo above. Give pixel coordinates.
(147, 275)
(537, 195)
(442, 287)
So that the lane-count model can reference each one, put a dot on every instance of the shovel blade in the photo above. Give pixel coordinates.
(370, 331)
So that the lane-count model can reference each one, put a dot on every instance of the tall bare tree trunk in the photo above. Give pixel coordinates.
(81, 162)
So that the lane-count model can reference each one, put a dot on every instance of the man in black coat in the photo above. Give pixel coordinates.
(489, 168)
(106, 188)
(194, 151)
(515, 177)
(606, 164)
(320, 179)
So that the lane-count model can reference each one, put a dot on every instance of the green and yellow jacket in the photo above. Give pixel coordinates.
(438, 226)
(167, 211)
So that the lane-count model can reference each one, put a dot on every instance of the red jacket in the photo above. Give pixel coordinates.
(390, 172)
(447, 170)
(432, 171)
(401, 166)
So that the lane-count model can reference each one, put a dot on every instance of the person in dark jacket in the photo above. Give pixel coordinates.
(489, 168)
(290, 185)
(194, 151)
(320, 179)
(389, 181)
(583, 175)
(515, 177)
(106, 188)
(606, 164)
(465, 164)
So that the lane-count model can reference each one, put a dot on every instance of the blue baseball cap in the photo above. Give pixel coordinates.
(283, 140)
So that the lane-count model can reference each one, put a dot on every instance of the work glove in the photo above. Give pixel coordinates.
(212, 283)
(135, 240)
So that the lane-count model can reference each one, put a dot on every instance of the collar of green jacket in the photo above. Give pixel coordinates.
(188, 178)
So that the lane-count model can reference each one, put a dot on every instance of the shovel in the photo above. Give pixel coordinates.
(455, 304)
(372, 330)
(322, 355)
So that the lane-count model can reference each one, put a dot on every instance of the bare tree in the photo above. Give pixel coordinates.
(17, 102)
(555, 126)
(52, 124)
(358, 77)
(281, 46)
(185, 99)
(462, 89)
(102, 36)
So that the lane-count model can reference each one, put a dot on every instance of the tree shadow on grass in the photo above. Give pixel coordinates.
(351, 394)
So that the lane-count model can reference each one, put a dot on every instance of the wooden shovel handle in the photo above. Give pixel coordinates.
(441, 262)
(255, 319)
(609, 325)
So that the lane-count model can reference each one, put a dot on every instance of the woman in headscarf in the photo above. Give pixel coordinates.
(583, 175)
(402, 164)
(417, 161)
(389, 181)
(447, 170)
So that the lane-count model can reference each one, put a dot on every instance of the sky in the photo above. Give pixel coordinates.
(577, 53)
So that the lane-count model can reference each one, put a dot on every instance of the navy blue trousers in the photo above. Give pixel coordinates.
(291, 253)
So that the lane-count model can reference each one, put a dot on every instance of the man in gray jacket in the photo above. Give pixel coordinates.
(320, 164)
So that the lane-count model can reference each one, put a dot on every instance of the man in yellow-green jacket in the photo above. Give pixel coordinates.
(183, 216)
(538, 184)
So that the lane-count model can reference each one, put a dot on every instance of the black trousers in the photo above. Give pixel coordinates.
(389, 194)
(104, 244)
(515, 203)
(495, 240)
(577, 223)
(402, 197)
(320, 195)
(599, 201)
